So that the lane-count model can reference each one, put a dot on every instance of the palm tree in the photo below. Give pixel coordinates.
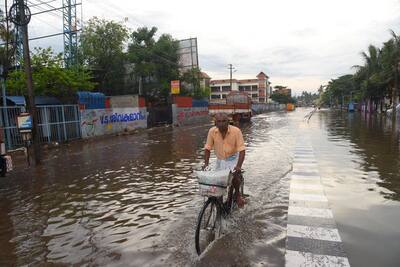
(391, 65)
(368, 78)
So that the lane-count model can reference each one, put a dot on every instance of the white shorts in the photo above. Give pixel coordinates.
(228, 163)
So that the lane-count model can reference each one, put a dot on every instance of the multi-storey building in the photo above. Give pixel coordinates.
(258, 89)
(283, 90)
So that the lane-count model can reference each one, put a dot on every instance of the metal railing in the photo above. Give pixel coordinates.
(58, 123)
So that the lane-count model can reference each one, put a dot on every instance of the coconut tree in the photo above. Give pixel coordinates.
(390, 59)
(368, 77)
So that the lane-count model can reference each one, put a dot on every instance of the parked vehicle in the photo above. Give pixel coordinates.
(290, 107)
(237, 105)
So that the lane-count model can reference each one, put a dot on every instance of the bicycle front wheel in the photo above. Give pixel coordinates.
(208, 225)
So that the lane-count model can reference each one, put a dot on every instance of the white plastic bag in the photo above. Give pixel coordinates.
(213, 183)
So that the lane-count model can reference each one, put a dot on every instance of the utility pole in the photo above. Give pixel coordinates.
(395, 91)
(140, 86)
(231, 68)
(22, 18)
(3, 79)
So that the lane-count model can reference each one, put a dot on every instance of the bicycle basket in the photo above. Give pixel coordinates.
(213, 183)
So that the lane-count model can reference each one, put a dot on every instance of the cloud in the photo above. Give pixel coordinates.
(297, 43)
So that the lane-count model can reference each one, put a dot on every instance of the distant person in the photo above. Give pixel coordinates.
(228, 144)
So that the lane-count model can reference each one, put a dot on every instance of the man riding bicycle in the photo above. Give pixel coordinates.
(228, 144)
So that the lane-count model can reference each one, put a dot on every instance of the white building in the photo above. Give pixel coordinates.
(258, 89)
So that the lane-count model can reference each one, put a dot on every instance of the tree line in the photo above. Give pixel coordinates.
(373, 82)
(111, 58)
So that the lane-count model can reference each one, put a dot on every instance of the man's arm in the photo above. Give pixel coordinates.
(207, 148)
(206, 158)
(241, 148)
(240, 160)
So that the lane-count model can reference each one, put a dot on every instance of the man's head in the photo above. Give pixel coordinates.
(222, 121)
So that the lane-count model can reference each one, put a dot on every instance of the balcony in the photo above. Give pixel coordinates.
(226, 88)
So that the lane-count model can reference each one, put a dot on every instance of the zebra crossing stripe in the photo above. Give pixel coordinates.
(310, 212)
(297, 258)
(320, 233)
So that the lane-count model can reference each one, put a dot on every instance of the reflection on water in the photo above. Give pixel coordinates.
(375, 140)
(358, 158)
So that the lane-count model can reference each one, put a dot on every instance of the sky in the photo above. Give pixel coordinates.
(300, 44)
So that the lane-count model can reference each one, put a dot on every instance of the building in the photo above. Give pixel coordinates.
(283, 90)
(258, 89)
(205, 80)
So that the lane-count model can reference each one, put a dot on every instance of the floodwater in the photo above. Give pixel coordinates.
(133, 201)
(359, 162)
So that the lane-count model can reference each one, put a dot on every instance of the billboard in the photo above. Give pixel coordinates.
(188, 54)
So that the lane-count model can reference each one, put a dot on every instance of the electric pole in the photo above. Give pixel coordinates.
(231, 68)
(22, 19)
(4, 73)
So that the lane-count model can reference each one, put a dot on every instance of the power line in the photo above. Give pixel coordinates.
(45, 3)
(39, 4)
(43, 10)
(54, 9)
(42, 37)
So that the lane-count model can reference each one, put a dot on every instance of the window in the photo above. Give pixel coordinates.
(254, 88)
(215, 89)
(223, 96)
(254, 95)
(226, 88)
(215, 96)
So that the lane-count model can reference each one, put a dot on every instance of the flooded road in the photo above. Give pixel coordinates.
(133, 201)
(359, 163)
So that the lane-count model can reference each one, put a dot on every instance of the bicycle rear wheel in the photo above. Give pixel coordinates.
(208, 225)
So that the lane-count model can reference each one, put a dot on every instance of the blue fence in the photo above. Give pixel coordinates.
(92, 100)
(199, 103)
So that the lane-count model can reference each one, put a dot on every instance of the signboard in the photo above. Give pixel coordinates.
(24, 121)
(175, 88)
(97, 122)
(188, 54)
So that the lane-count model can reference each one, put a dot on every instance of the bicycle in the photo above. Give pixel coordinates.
(209, 222)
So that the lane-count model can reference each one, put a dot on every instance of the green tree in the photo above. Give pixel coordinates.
(191, 81)
(369, 76)
(307, 98)
(390, 60)
(101, 49)
(50, 78)
(282, 98)
(7, 51)
(155, 62)
(340, 90)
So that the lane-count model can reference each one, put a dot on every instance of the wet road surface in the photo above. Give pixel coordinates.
(132, 200)
(359, 162)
